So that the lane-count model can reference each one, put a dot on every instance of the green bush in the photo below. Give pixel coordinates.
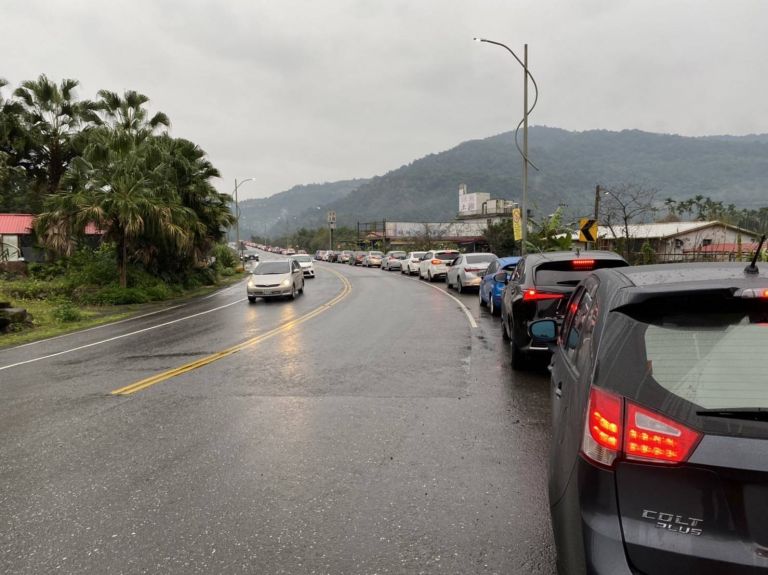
(37, 289)
(66, 312)
(225, 256)
(115, 295)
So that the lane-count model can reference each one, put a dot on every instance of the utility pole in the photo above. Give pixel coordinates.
(525, 151)
(597, 210)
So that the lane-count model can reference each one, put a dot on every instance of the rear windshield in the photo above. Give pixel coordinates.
(377, 254)
(302, 258)
(682, 355)
(268, 268)
(570, 272)
(446, 256)
(480, 258)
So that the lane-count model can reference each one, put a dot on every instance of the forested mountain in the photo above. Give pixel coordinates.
(287, 209)
(732, 169)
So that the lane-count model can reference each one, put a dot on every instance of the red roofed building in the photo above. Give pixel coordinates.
(17, 237)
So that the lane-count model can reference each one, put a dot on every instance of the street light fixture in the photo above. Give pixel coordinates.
(237, 213)
(524, 122)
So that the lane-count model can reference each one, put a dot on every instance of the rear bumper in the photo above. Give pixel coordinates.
(472, 282)
(586, 525)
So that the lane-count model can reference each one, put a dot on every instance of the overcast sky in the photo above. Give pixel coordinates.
(295, 92)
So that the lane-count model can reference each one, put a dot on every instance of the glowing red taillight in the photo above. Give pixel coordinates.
(653, 437)
(534, 295)
(641, 436)
(602, 428)
(437, 262)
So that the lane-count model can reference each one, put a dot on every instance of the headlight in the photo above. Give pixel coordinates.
(286, 283)
(250, 283)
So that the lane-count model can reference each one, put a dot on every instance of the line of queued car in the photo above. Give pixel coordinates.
(659, 449)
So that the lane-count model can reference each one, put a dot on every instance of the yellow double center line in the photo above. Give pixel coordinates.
(160, 377)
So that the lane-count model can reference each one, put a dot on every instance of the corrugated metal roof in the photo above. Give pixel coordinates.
(16, 224)
(664, 230)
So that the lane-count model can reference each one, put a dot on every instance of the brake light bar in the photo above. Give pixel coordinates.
(437, 262)
(583, 264)
(616, 427)
(534, 295)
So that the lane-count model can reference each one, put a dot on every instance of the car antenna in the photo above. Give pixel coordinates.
(751, 269)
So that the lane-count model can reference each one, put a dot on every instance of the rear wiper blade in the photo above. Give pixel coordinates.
(748, 413)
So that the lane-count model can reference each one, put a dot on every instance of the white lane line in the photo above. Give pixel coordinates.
(464, 308)
(38, 342)
(225, 290)
(146, 329)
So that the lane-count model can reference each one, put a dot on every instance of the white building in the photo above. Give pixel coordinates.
(680, 241)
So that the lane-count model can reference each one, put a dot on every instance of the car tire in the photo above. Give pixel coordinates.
(430, 278)
(492, 307)
(504, 328)
(251, 299)
(293, 292)
(301, 289)
(480, 297)
(459, 287)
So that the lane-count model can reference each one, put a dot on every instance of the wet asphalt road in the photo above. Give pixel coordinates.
(384, 434)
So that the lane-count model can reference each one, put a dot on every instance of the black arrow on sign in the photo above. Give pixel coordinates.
(586, 230)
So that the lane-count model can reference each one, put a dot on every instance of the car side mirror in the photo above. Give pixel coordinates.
(501, 277)
(544, 331)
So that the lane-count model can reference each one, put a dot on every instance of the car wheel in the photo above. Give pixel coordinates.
(301, 289)
(251, 299)
(293, 292)
(480, 297)
(429, 277)
(492, 307)
(504, 328)
(458, 285)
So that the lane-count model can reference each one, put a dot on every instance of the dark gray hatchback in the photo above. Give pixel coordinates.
(659, 452)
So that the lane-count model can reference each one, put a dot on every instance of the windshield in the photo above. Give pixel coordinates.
(682, 355)
(446, 256)
(480, 258)
(270, 268)
(570, 272)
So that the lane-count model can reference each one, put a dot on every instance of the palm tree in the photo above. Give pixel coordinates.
(54, 119)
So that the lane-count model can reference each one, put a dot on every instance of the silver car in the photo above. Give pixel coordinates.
(305, 262)
(468, 270)
(393, 261)
(276, 278)
(411, 263)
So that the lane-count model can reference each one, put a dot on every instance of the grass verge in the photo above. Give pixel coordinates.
(51, 317)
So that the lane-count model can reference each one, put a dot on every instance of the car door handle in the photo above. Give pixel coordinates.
(559, 390)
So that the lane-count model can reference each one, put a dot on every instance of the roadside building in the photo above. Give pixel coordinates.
(678, 241)
(19, 243)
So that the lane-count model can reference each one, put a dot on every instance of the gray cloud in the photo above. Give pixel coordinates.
(295, 92)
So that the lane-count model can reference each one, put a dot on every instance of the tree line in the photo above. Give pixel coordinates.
(107, 163)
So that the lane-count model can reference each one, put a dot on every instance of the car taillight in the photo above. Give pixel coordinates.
(653, 437)
(602, 428)
(583, 264)
(534, 295)
(473, 270)
(641, 436)
(437, 262)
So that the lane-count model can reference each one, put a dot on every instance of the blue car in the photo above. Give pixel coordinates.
(490, 290)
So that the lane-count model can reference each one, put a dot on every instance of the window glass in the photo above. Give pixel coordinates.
(479, 258)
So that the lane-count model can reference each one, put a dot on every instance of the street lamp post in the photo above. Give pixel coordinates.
(524, 122)
(237, 214)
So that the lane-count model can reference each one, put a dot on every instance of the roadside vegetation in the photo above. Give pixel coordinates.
(125, 214)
